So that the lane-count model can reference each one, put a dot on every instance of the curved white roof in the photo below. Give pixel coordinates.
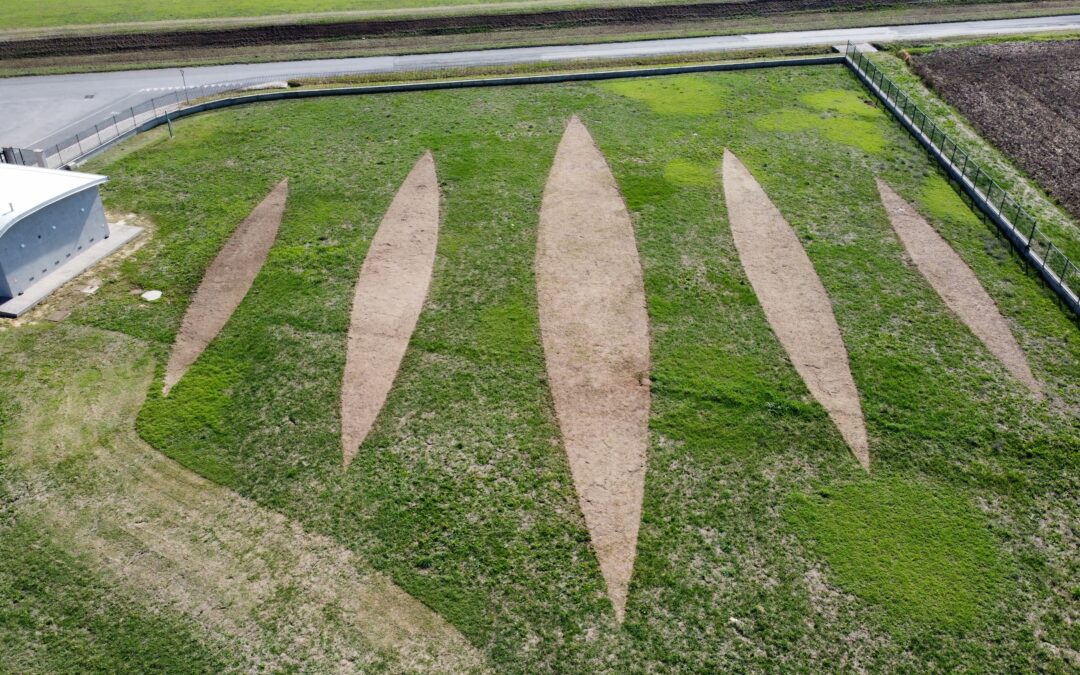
(26, 189)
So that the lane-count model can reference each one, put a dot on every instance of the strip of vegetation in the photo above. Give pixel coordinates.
(465, 20)
(369, 46)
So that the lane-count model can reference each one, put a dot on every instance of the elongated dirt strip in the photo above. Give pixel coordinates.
(226, 282)
(389, 295)
(957, 285)
(283, 599)
(795, 302)
(595, 332)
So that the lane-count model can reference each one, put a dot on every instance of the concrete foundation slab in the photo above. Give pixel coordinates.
(120, 234)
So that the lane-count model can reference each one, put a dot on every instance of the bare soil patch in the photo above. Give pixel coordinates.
(284, 599)
(389, 295)
(956, 284)
(595, 332)
(467, 23)
(226, 282)
(795, 302)
(1025, 98)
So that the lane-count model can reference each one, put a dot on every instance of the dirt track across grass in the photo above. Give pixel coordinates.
(595, 331)
(282, 597)
(389, 295)
(795, 302)
(956, 284)
(226, 282)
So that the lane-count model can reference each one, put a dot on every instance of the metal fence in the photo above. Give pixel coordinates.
(1017, 223)
(63, 150)
(60, 152)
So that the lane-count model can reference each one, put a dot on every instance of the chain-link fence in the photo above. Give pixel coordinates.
(1002, 208)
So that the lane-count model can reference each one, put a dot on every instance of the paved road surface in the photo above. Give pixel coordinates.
(36, 109)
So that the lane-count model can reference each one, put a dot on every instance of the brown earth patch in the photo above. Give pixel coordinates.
(795, 302)
(1023, 97)
(284, 600)
(956, 284)
(226, 282)
(595, 332)
(467, 23)
(389, 295)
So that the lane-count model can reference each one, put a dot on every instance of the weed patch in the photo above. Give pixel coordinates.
(681, 95)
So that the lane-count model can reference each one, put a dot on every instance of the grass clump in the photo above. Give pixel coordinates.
(686, 95)
(841, 101)
(921, 554)
(857, 133)
(683, 172)
(938, 197)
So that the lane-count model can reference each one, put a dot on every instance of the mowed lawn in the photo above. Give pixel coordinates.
(764, 546)
(27, 14)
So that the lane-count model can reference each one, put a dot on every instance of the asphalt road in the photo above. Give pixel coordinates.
(34, 110)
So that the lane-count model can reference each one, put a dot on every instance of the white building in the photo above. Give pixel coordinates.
(52, 228)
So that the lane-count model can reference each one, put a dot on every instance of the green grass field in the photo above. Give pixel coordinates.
(763, 547)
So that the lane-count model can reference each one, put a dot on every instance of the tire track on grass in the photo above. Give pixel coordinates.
(283, 598)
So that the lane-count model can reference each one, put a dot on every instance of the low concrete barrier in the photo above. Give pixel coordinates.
(452, 84)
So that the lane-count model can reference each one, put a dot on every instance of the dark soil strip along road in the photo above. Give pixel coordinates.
(304, 32)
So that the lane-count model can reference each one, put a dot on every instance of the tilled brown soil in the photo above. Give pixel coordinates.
(304, 32)
(1025, 98)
